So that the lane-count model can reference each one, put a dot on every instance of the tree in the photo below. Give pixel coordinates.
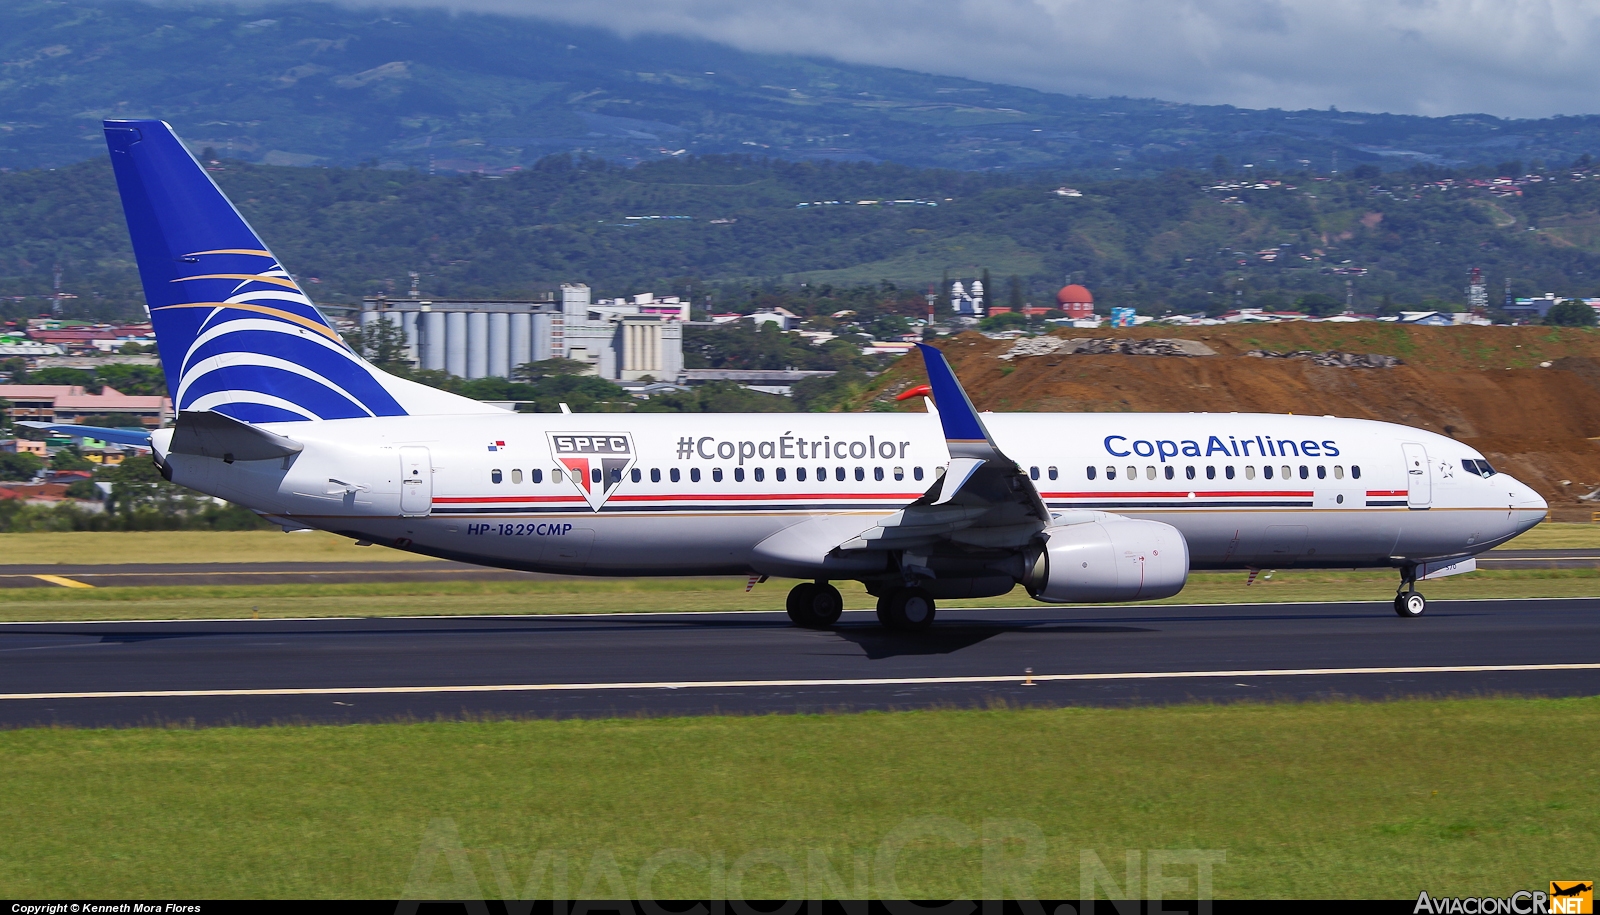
(138, 380)
(383, 343)
(1571, 313)
(548, 368)
(1320, 304)
(60, 375)
(1014, 293)
(1219, 167)
(69, 458)
(19, 467)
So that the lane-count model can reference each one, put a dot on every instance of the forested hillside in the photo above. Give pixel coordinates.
(733, 228)
(325, 84)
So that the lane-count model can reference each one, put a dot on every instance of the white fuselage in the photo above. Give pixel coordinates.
(694, 493)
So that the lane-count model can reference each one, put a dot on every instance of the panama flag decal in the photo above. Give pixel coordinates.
(595, 461)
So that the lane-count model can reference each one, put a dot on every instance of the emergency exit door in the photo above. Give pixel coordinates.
(1419, 481)
(416, 481)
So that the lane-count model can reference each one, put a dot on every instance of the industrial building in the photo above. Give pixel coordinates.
(621, 339)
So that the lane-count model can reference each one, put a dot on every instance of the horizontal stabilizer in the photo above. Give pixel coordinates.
(215, 435)
(120, 436)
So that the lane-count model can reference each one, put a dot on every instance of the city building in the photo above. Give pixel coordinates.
(619, 339)
(1076, 301)
(67, 403)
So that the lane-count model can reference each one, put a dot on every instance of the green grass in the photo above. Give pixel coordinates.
(117, 547)
(666, 595)
(1363, 800)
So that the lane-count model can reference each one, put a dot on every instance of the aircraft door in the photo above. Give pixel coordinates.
(1419, 478)
(416, 481)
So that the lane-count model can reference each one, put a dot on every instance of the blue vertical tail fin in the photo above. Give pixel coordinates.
(236, 333)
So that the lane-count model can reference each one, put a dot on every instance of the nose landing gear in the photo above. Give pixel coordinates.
(1409, 602)
(814, 605)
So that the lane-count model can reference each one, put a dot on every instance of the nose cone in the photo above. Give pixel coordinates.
(1527, 507)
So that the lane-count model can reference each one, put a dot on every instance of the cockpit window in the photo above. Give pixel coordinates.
(1480, 468)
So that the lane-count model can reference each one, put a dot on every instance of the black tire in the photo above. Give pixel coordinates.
(1410, 604)
(814, 606)
(907, 610)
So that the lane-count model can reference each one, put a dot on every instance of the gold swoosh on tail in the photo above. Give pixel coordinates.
(262, 309)
(256, 277)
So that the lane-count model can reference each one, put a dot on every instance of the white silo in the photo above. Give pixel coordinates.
(499, 344)
(455, 343)
(408, 323)
(521, 339)
(543, 337)
(433, 340)
(477, 344)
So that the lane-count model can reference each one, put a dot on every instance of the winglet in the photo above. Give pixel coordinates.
(963, 430)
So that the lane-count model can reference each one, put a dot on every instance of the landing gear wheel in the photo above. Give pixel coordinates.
(906, 610)
(814, 605)
(1410, 604)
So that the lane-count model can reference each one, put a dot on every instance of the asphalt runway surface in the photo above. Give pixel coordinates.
(346, 670)
(287, 573)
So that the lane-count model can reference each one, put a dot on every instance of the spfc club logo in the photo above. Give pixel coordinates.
(594, 461)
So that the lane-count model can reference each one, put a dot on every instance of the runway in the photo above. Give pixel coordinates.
(288, 573)
(348, 670)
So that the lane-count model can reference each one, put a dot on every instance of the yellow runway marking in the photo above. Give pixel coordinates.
(63, 581)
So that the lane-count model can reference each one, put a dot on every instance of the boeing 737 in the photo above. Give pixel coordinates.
(277, 413)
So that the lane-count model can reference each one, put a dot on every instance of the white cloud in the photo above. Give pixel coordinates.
(1524, 58)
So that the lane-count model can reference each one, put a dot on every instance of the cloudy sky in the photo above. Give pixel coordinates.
(1521, 58)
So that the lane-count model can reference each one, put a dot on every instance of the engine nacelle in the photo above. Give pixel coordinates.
(1107, 560)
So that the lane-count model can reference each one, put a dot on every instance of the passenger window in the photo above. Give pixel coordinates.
(536, 475)
(1052, 473)
(822, 474)
(779, 473)
(1305, 472)
(694, 474)
(1228, 471)
(1355, 471)
(1249, 472)
(616, 476)
(1188, 472)
(1322, 472)
(716, 474)
(761, 474)
(877, 474)
(1091, 473)
(1287, 471)
(595, 475)
(800, 474)
(555, 475)
(838, 474)
(738, 474)
(655, 474)
(1133, 472)
(634, 475)
(1111, 473)
(494, 476)
(916, 473)
(1267, 471)
(1033, 473)
(673, 474)
(1211, 472)
(1338, 472)
(861, 474)
(1171, 471)
(516, 475)
(899, 473)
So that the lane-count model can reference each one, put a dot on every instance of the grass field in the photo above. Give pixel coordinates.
(1363, 800)
(90, 548)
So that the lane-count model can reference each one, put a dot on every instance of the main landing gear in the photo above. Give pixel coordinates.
(1409, 602)
(906, 610)
(814, 605)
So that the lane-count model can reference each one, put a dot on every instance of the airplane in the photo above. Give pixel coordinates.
(277, 413)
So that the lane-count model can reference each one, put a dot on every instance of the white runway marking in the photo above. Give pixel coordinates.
(770, 684)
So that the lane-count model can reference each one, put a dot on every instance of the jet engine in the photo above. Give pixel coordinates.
(1106, 560)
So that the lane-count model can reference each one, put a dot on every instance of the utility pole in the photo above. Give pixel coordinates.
(55, 297)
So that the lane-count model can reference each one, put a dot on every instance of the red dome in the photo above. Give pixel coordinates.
(1074, 295)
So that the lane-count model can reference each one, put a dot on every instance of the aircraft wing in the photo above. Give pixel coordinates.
(983, 499)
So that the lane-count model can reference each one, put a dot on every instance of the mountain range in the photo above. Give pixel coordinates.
(319, 84)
